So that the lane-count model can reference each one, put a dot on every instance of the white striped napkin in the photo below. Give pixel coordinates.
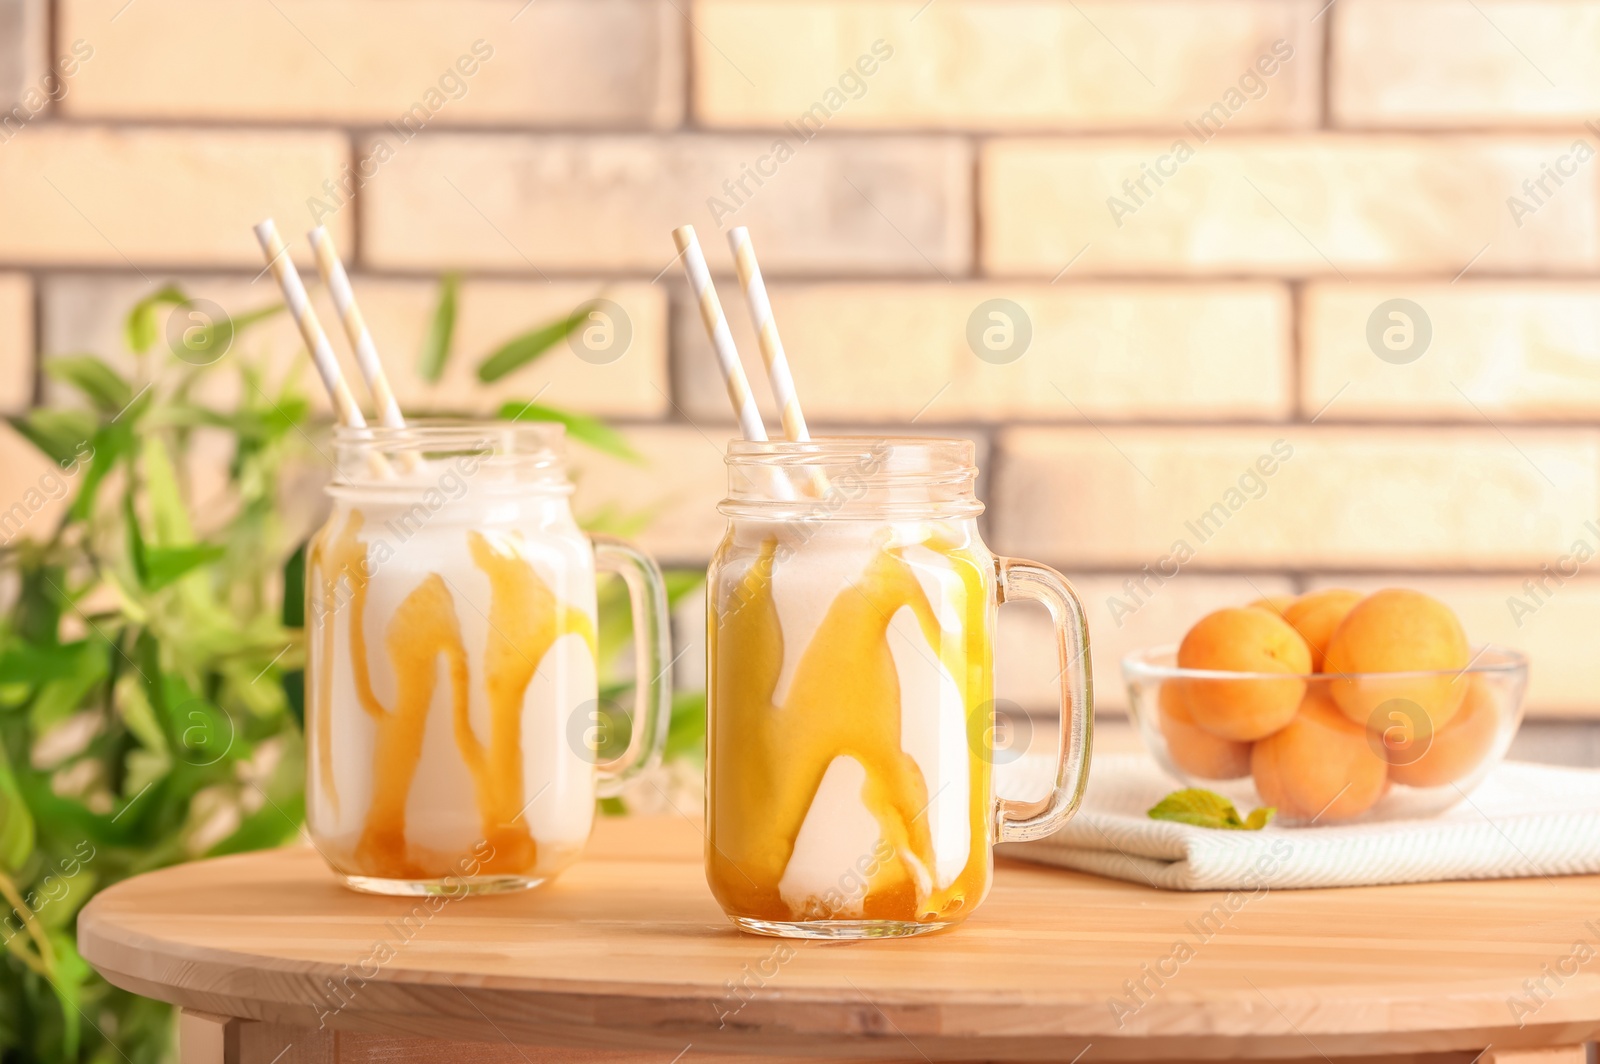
(1523, 820)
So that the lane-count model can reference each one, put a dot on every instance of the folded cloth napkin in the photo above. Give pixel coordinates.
(1523, 820)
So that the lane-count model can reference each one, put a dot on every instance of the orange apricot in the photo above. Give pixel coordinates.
(1316, 614)
(1193, 749)
(1396, 630)
(1321, 766)
(1244, 640)
(1456, 749)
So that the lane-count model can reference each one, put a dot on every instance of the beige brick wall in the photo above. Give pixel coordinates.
(16, 342)
(1369, 229)
(603, 63)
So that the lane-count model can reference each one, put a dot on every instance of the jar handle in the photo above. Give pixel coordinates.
(1021, 821)
(647, 599)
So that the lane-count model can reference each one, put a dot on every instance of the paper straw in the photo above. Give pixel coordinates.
(694, 264)
(783, 389)
(744, 404)
(755, 294)
(294, 294)
(355, 327)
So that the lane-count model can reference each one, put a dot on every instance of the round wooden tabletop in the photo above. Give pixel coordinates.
(628, 950)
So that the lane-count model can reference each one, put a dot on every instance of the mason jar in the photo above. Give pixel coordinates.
(850, 754)
(452, 710)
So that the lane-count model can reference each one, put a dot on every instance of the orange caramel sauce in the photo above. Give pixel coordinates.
(525, 620)
(767, 761)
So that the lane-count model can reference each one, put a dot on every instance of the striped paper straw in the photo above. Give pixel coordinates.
(744, 404)
(294, 293)
(694, 264)
(783, 389)
(355, 327)
(755, 294)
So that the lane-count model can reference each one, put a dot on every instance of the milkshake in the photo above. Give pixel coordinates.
(851, 691)
(451, 677)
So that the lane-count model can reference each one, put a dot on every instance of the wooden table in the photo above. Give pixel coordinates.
(627, 957)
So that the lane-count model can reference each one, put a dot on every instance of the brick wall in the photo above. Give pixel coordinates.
(1200, 211)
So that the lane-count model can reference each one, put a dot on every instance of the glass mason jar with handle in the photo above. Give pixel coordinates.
(452, 718)
(851, 619)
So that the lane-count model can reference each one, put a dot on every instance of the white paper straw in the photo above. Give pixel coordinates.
(355, 327)
(744, 404)
(772, 354)
(694, 264)
(755, 294)
(322, 356)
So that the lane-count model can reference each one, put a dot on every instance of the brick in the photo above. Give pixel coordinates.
(678, 486)
(533, 202)
(1552, 624)
(24, 32)
(1121, 621)
(34, 493)
(1466, 498)
(1496, 349)
(1311, 205)
(85, 312)
(120, 198)
(16, 342)
(1155, 351)
(591, 63)
(1009, 66)
(1435, 63)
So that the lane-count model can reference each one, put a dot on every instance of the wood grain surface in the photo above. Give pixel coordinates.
(627, 950)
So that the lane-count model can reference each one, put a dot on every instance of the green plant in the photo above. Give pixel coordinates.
(150, 686)
(141, 717)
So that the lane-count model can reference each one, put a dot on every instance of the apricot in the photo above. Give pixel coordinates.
(1456, 749)
(1193, 749)
(1396, 630)
(1321, 766)
(1244, 640)
(1316, 614)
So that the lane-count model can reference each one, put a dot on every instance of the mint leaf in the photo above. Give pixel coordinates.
(1259, 818)
(1207, 809)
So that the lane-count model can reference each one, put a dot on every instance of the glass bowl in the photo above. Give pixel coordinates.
(1337, 747)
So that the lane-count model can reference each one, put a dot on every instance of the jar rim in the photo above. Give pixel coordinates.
(402, 457)
(432, 432)
(844, 477)
(822, 448)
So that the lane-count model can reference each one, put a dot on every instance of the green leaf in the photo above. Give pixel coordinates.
(521, 350)
(108, 447)
(581, 427)
(71, 972)
(164, 565)
(1207, 809)
(206, 338)
(34, 663)
(140, 330)
(171, 517)
(60, 434)
(1259, 818)
(441, 331)
(16, 822)
(61, 697)
(103, 385)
